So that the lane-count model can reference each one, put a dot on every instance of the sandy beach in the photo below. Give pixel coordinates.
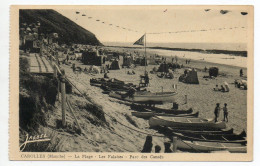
(111, 136)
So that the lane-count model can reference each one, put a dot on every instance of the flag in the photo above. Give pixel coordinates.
(140, 41)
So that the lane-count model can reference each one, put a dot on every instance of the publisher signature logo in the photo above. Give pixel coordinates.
(33, 139)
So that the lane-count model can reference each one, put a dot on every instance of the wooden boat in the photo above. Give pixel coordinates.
(204, 146)
(192, 123)
(231, 138)
(142, 108)
(147, 115)
(169, 131)
(145, 97)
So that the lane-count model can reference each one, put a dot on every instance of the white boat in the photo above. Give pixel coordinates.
(186, 122)
(201, 146)
(145, 97)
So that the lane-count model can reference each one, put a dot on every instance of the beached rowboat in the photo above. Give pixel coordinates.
(192, 123)
(169, 131)
(232, 138)
(145, 97)
(143, 108)
(147, 115)
(204, 146)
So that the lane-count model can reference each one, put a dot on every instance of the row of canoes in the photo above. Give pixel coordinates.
(194, 134)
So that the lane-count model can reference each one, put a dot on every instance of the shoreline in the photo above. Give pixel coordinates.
(194, 62)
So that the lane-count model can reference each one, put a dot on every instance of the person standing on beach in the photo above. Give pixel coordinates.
(216, 112)
(225, 111)
(241, 72)
(148, 145)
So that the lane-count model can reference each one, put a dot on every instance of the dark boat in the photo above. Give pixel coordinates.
(143, 108)
(147, 115)
(169, 131)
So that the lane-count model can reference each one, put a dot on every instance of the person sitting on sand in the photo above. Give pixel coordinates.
(222, 89)
(157, 149)
(216, 88)
(225, 111)
(216, 112)
(148, 145)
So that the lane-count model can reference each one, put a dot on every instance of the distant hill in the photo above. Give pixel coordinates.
(53, 22)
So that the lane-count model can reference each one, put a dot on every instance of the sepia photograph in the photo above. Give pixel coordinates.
(131, 82)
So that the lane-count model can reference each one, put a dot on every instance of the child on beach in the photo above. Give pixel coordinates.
(225, 111)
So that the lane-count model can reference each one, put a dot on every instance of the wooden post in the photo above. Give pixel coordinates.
(63, 97)
(174, 144)
(76, 120)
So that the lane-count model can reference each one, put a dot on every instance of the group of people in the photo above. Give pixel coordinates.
(148, 146)
(188, 61)
(217, 111)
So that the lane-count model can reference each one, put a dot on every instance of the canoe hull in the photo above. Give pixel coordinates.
(153, 98)
(147, 115)
(210, 124)
(159, 110)
(198, 146)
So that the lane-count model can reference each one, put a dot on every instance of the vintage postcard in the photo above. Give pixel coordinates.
(131, 83)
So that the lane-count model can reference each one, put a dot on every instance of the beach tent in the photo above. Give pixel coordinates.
(213, 71)
(115, 65)
(163, 68)
(127, 61)
(191, 77)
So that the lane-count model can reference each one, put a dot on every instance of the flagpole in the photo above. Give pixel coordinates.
(145, 52)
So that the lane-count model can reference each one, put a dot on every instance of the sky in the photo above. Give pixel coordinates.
(154, 19)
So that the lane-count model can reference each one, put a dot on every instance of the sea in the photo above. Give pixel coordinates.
(227, 59)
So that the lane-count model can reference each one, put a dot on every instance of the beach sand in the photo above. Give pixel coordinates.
(114, 137)
(118, 138)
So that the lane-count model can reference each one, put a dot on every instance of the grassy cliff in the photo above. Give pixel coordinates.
(53, 22)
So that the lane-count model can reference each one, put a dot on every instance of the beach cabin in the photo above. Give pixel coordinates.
(92, 58)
